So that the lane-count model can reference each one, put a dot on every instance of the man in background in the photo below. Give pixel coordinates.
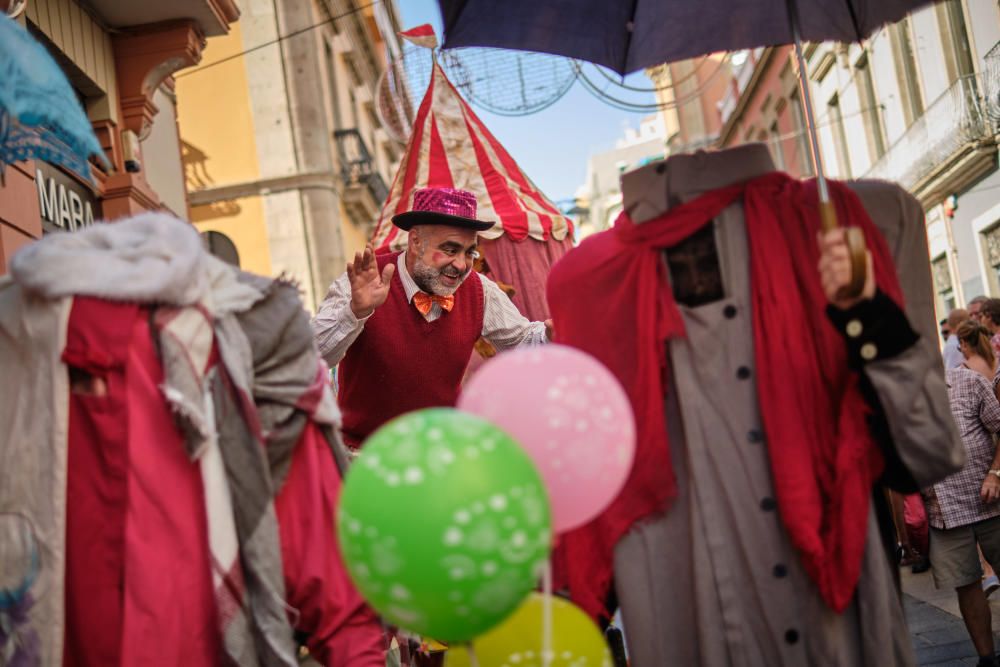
(975, 306)
(952, 355)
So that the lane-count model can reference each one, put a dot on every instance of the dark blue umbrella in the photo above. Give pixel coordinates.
(630, 35)
(40, 115)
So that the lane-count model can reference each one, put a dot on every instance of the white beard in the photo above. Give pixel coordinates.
(428, 279)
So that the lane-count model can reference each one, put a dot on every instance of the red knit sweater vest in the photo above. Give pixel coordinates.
(401, 362)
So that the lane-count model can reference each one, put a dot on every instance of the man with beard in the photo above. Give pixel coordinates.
(402, 326)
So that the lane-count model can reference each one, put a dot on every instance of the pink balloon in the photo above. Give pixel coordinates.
(570, 414)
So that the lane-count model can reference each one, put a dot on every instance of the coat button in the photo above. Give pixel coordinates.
(754, 436)
(792, 636)
(729, 311)
(854, 328)
(768, 504)
(743, 372)
(869, 351)
(780, 571)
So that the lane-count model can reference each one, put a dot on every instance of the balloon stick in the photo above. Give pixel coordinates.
(547, 614)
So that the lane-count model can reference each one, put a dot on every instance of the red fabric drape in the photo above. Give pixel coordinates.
(138, 578)
(915, 517)
(610, 298)
(138, 585)
(525, 265)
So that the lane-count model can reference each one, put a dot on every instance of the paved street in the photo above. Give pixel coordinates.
(939, 635)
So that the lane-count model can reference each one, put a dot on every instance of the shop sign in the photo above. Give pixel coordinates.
(65, 203)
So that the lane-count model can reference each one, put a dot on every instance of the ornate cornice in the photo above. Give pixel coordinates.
(144, 57)
(227, 9)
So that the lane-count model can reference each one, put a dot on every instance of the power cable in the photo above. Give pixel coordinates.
(280, 38)
(625, 105)
(655, 89)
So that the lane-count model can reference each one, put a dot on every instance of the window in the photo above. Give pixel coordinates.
(221, 246)
(354, 107)
(955, 37)
(871, 112)
(905, 61)
(839, 137)
(774, 142)
(942, 284)
(801, 135)
(331, 73)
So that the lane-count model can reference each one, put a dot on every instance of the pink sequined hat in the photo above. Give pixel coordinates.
(442, 206)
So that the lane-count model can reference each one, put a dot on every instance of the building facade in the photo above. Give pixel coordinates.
(690, 92)
(285, 162)
(120, 57)
(918, 103)
(599, 199)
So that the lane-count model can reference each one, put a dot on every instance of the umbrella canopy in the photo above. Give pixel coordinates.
(450, 147)
(630, 36)
(40, 115)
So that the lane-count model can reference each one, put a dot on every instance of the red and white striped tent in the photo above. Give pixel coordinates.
(450, 147)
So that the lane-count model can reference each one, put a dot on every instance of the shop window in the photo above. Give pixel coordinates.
(942, 285)
(221, 246)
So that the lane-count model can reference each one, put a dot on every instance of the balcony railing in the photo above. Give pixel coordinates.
(991, 84)
(957, 119)
(358, 166)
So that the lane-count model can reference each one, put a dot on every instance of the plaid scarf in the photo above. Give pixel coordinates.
(241, 412)
(241, 419)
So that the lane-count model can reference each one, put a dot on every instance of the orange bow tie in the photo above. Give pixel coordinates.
(424, 301)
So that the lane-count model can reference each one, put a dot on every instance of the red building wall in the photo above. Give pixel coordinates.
(20, 221)
(768, 100)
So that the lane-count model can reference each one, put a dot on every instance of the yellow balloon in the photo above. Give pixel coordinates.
(517, 642)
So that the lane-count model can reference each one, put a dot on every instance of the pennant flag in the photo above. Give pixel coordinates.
(422, 35)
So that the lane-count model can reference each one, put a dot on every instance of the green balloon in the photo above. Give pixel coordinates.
(444, 523)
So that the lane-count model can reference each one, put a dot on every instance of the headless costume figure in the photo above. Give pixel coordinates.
(715, 580)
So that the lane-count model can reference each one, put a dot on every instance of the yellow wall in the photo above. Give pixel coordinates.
(242, 220)
(217, 134)
(354, 238)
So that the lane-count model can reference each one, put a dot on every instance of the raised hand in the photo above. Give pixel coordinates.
(368, 289)
(835, 269)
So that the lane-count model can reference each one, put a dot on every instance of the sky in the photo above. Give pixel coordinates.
(552, 145)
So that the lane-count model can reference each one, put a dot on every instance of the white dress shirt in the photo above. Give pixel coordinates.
(336, 328)
(953, 357)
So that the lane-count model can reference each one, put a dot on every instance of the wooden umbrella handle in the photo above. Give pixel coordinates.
(856, 246)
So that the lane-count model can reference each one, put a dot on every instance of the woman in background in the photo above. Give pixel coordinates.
(974, 343)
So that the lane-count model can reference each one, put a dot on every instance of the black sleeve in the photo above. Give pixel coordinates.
(875, 330)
